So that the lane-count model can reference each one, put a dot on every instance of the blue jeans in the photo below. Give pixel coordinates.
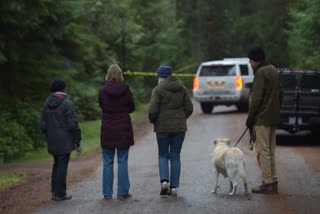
(169, 147)
(123, 176)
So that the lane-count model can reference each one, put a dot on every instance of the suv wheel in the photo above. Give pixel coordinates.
(206, 107)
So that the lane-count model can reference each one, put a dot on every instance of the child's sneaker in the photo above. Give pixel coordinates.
(164, 188)
(61, 198)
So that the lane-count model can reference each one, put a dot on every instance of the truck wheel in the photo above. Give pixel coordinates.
(206, 107)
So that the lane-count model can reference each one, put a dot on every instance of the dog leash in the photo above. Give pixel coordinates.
(241, 137)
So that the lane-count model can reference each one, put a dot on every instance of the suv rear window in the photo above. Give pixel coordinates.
(218, 70)
(244, 70)
(310, 82)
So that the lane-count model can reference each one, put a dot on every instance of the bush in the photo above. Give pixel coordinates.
(28, 116)
(141, 87)
(20, 130)
(85, 101)
(14, 141)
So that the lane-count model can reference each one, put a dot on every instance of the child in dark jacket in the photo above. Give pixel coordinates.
(60, 125)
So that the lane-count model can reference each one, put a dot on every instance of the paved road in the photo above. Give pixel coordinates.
(298, 172)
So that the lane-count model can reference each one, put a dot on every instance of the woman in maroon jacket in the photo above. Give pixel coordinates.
(116, 102)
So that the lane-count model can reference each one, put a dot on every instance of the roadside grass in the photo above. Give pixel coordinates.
(9, 179)
(90, 138)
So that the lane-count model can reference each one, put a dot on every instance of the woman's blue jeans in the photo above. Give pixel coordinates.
(123, 176)
(169, 147)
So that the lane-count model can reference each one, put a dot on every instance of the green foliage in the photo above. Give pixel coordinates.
(78, 39)
(304, 41)
(26, 115)
(9, 179)
(156, 39)
(14, 142)
(85, 100)
(141, 91)
(310, 22)
(19, 128)
(229, 28)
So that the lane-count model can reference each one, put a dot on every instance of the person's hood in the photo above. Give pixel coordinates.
(115, 89)
(55, 100)
(172, 83)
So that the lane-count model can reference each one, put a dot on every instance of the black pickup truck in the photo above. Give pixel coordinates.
(300, 108)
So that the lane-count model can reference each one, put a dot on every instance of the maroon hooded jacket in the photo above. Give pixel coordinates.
(116, 102)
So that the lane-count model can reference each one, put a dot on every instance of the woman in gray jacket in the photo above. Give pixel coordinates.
(169, 108)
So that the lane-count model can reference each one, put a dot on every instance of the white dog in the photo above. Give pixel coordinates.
(229, 161)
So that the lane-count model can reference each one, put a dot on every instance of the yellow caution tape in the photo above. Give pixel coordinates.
(178, 73)
(131, 73)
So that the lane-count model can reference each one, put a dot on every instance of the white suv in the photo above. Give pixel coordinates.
(221, 82)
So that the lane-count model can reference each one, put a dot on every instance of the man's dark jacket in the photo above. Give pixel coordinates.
(60, 125)
(265, 97)
(116, 102)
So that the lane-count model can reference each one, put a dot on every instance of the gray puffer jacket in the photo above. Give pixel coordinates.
(170, 106)
(60, 125)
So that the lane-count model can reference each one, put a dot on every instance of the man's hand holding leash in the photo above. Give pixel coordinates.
(249, 124)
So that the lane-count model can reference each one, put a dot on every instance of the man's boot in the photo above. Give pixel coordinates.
(266, 189)
(275, 186)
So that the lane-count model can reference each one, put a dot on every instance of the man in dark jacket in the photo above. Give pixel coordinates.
(263, 117)
(60, 125)
(170, 106)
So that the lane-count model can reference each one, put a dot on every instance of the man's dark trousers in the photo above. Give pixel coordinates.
(59, 174)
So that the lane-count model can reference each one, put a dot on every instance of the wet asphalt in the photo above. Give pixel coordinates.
(298, 170)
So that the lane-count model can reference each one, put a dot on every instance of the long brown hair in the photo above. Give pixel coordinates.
(114, 73)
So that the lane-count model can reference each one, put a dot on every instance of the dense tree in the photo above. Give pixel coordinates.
(78, 39)
(39, 40)
(228, 28)
(304, 40)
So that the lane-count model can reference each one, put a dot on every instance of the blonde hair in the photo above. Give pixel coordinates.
(114, 73)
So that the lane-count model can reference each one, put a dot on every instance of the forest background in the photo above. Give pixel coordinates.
(78, 39)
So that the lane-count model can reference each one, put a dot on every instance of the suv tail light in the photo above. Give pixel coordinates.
(238, 82)
(195, 84)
